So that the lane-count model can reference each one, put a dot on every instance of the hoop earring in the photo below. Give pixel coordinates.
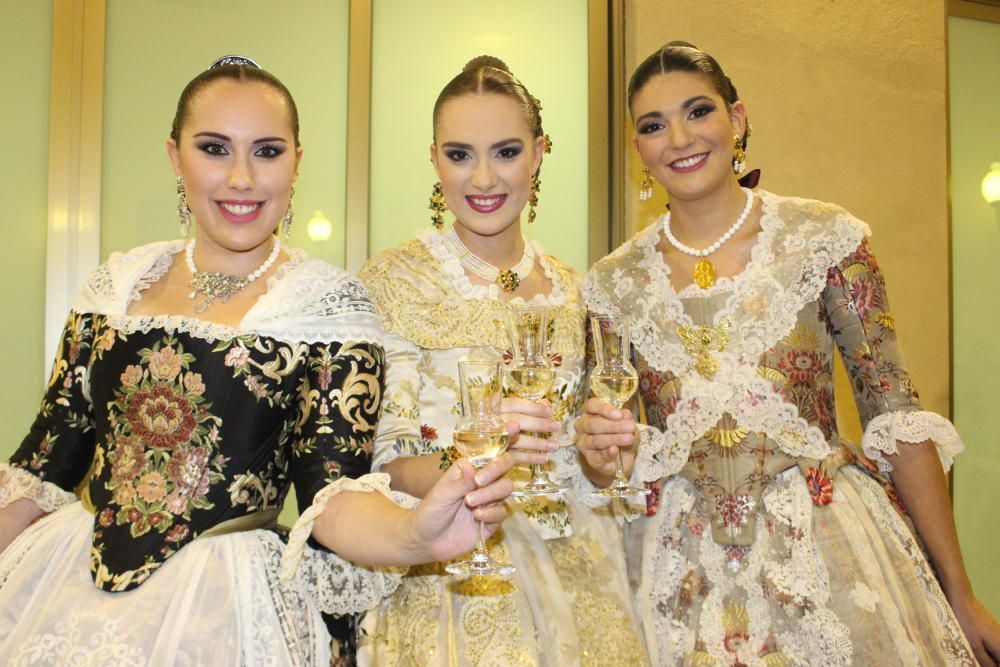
(646, 185)
(183, 210)
(739, 155)
(286, 221)
(536, 186)
(437, 206)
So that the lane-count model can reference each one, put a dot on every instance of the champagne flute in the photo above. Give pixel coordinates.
(481, 437)
(531, 376)
(614, 380)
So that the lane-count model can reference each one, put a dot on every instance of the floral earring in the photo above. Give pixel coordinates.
(739, 155)
(437, 206)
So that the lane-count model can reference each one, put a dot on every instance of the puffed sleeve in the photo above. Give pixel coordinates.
(57, 452)
(856, 306)
(399, 432)
(340, 397)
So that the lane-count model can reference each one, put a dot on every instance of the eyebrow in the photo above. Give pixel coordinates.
(469, 147)
(687, 105)
(264, 140)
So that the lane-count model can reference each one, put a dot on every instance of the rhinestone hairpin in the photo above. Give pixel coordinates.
(234, 60)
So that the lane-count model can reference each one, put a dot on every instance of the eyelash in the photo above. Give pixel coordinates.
(266, 151)
(507, 154)
(695, 113)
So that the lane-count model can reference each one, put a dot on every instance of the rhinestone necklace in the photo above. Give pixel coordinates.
(220, 285)
(704, 271)
(507, 279)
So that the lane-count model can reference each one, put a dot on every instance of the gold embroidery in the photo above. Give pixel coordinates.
(727, 433)
(887, 321)
(772, 374)
(604, 629)
(699, 342)
(417, 302)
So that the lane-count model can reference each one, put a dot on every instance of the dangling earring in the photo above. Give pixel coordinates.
(183, 211)
(646, 185)
(739, 155)
(438, 207)
(286, 222)
(536, 186)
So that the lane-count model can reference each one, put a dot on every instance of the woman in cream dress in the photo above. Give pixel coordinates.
(567, 602)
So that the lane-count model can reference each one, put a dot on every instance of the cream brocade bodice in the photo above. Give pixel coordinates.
(435, 317)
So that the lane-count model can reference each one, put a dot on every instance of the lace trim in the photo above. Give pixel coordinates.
(787, 270)
(16, 483)
(468, 290)
(338, 585)
(307, 300)
(913, 427)
(568, 472)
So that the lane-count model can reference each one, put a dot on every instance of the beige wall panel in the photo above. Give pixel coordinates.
(848, 104)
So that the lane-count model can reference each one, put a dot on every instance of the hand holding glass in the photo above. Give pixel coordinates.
(614, 380)
(531, 376)
(481, 437)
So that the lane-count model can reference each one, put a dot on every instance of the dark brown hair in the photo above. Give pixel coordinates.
(486, 74)
(241, 73)
(684, 57)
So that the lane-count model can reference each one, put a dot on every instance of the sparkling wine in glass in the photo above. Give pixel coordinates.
(530, 376)
(614, 380)
(480, 437)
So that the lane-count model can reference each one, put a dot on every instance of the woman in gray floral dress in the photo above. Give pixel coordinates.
(768, 539)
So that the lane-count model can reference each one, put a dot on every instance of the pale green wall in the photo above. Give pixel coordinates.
(417, 47)
(154, 48)
(974, 60)
(25, 54)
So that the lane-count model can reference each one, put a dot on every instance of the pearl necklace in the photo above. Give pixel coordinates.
(704, 271)
(507, 279)
(220, 285)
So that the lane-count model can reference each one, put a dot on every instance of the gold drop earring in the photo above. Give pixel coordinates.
(286, 221)
(739, 155)
(536, 186)
(645, 185)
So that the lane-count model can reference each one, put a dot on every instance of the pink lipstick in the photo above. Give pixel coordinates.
(485, 203)
(240, 210)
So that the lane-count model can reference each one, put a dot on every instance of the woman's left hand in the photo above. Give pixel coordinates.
(980, 628)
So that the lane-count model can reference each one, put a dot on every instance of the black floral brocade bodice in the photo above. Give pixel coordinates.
(182, 430)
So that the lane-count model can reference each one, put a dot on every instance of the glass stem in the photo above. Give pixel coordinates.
(481, 545)
(620, 469)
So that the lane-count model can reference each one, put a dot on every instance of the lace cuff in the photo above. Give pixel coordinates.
(884, 431)
(337, 585)
(17, 483)
(568, 472)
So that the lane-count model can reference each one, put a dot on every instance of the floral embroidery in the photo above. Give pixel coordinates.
(428, 433)
(163, 461)
(820, 487)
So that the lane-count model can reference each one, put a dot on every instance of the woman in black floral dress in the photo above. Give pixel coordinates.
(194, 384)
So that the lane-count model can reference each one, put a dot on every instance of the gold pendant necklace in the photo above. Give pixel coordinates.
(704, 271)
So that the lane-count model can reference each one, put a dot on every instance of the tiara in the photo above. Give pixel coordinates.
(234, 60)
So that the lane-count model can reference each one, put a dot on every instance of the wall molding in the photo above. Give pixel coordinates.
(76, 114)
(357, 213)
(982, 10)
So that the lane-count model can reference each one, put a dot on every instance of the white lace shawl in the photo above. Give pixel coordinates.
(800, 240)
(307, 301)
